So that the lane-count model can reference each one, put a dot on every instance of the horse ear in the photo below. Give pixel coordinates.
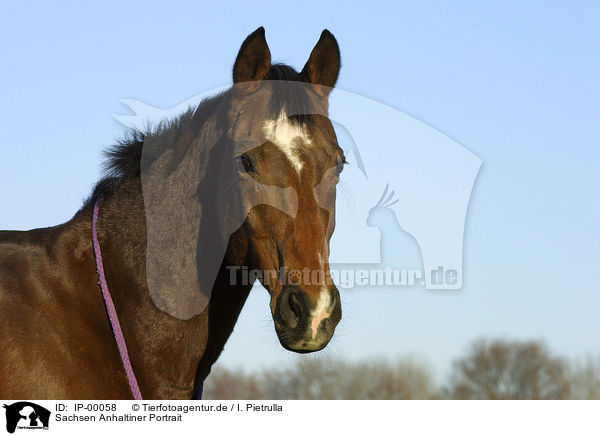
(254, 58)
(323, 66)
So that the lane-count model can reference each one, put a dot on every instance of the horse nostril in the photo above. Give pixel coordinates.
(292, 308)
(295, 305)
(333, 299)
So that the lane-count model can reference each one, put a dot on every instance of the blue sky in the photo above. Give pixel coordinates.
(515, 83)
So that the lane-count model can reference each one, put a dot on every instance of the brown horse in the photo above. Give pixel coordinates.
(255, 169)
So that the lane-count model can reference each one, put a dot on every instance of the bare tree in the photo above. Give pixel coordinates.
(509, 370)
(585, 379)
(224, 384)
(492, 369)
(312, 379)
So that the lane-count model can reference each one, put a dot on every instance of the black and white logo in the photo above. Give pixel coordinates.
(26, 415)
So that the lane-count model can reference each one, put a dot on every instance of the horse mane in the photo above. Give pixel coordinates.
(122, 160)
(288, 99)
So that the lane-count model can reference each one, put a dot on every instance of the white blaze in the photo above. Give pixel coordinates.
(287, 136)
(320, 312)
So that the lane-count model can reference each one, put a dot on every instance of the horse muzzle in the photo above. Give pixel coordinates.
(304, 323)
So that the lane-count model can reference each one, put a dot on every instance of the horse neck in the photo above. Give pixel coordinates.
(169, 355)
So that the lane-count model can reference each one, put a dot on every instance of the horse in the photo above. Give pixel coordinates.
(245, 181)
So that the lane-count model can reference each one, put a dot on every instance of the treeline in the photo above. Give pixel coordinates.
(492, 369)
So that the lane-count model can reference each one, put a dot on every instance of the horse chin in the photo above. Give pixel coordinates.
(302, 346)
(303, 349)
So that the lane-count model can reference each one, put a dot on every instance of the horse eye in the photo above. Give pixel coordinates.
(244, 164)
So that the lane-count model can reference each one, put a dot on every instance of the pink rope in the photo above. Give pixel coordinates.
(112, 312)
